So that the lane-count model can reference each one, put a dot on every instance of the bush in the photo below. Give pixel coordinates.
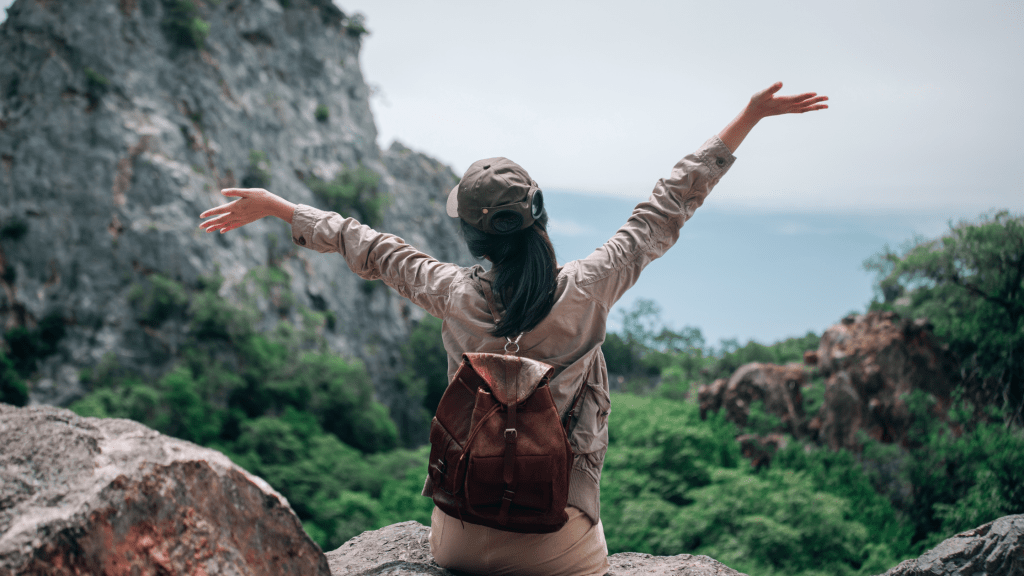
(27, 346)
(182, 25)
(257, 174)
(356, 190)
(95, 81)
(14, 229)
(12, 389)
(157, 300)
(322, 113)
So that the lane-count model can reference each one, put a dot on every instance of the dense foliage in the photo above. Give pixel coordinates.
(278, 404)
(970, 285)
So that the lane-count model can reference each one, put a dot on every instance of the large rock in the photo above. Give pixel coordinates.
(995, 549)
(404, 550)
(114, 137)
(871, 362)
(91, 496)
(777, 387)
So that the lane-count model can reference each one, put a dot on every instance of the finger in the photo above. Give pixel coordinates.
(240, 192)
(222, 209)
(811, 108)
(774, 88)
(800, 97)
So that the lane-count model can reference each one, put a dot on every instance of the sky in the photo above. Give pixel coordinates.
(599, 99)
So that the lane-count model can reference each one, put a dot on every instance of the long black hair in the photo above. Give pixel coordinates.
(525, 273)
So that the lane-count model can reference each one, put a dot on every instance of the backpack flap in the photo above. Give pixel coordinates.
(511, 379)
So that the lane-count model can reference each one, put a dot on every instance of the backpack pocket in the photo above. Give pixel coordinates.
(444, 457)
(534, 485)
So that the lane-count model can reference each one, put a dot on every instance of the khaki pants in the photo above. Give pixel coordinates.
(578, 549)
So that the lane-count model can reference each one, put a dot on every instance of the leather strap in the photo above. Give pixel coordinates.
(511, 438)
(485, 285)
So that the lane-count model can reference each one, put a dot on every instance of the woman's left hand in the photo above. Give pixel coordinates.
(252, 204)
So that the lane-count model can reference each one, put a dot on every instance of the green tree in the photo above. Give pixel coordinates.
(970, 284)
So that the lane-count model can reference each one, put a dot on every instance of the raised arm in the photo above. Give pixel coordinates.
(763, 104)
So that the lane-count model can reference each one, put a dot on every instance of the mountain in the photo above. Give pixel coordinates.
(121, 120)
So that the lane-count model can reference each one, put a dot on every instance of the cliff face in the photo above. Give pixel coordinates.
(120, 121)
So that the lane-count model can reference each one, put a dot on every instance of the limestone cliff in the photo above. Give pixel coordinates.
(120, 121)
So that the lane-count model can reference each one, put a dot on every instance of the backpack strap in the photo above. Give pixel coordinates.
(485, 285)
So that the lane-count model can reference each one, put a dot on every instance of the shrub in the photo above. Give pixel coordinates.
(27, 346)
(257, 174)
(12, 389)
(95, 81)
(14, 229)
(158, 299)
(355, 190)
(182, 24)
(322, 113)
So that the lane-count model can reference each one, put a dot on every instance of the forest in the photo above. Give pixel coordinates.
(282, 406)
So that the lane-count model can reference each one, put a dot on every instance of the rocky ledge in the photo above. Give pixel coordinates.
(108, 496)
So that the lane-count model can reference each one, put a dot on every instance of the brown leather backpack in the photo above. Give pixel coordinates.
(500, 454)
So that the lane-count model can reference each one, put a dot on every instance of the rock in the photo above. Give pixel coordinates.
(995, 549)
(778, 387)
(115, 136)
(90, 496)
(404, 550)
(870, 362)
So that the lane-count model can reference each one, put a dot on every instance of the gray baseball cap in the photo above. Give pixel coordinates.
(497, 196)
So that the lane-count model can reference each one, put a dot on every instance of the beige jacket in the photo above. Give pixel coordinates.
(570, 337)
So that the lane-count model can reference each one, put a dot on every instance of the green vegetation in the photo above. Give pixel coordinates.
(95, 81)
(322, 113)
(276, 403)
(305, 420)
(970, 285)
(257, 174)
(14, 229)
(355, 26)
(182, 24)
(354, 190)
(28, 346)
(12, 389)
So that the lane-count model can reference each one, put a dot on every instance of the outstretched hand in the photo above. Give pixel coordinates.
(763, 104)
(252, 204)
(766, 103)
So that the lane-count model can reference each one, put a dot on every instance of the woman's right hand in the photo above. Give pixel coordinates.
(252, 204)
(765, 103)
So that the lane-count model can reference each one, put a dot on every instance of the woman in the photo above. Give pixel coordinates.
(557, 313)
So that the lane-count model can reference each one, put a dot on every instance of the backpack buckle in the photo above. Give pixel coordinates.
(515, 435)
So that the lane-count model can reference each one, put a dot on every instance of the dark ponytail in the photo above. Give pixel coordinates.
(525, 273)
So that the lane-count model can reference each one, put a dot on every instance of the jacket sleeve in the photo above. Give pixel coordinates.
(375, 255)
(654, 226)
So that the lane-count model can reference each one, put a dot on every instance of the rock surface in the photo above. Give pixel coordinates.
(777, 387)
(869, 363)
(404, 550)
(114, 137)
(91, 496)
(994, 549)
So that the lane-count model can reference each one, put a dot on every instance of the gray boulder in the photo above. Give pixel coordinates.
(93, 496)
(994, 549)
(403, 550)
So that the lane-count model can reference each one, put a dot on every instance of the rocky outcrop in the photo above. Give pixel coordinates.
(777, 387)
(995, 549)
(121, 120)
(404, 550)
(870, 363)
(92, 496)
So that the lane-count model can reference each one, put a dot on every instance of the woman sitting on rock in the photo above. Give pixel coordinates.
(559, 311)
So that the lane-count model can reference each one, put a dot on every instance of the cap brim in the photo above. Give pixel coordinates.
(452, 206)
